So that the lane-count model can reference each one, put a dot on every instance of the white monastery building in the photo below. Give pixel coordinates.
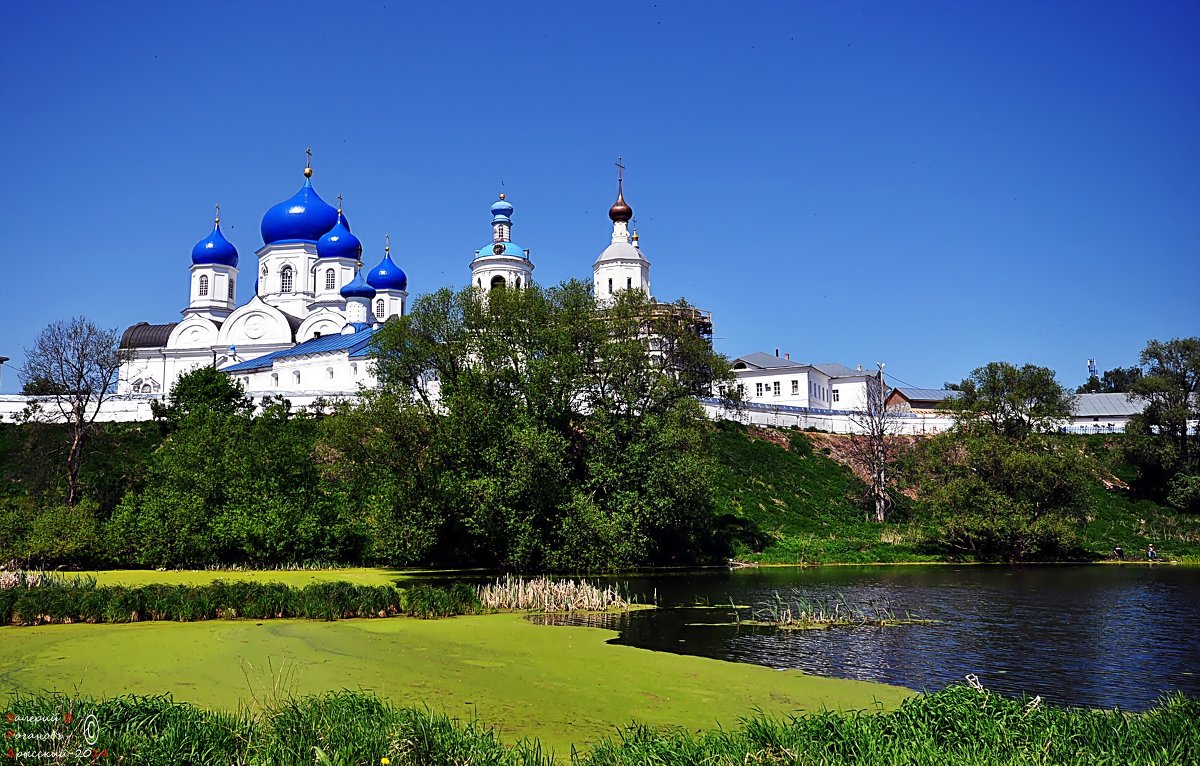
(306, 332)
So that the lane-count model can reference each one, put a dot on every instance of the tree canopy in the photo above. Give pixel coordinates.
(1000, 484)
(530, 429)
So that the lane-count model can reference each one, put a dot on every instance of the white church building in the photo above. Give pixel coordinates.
(306, 332)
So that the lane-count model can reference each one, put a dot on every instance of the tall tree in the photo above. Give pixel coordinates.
(872, 445)
(77, 363)
(1163, 438)
(1012, 401)
(555, 434)
(1000, 482)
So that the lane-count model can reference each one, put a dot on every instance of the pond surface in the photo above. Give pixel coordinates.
(1094, 636)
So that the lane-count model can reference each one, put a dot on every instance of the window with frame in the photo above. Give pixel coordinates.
(775, 388)
(379, 308)
(741, 389)
(204, 284)
(230, 289)
(610, 287)
(330, 279)
(795, 387)
(296, 377)
(835, 394)
(758, 389)
(628, 283)
(285, 279)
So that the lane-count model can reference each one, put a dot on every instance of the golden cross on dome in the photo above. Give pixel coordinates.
(620, 169)
(308, 163)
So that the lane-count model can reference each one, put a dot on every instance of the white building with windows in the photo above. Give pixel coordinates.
(766, 379)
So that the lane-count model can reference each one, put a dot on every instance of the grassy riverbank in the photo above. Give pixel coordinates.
(794, 503)
(563, 685)
(958, 725)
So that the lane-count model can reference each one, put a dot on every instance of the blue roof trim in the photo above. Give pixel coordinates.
(356, 345)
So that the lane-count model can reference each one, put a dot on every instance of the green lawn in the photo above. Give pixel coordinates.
(562, 685)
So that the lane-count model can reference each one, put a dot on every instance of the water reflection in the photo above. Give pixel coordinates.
(1098, 636)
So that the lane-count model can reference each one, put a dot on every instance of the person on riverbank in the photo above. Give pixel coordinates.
(1118, 553)
(1151, 554)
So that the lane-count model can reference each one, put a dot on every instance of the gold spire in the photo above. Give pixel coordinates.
(308, 164)
(501, 196)
(387, 244)
(217, 217)
(339, 203)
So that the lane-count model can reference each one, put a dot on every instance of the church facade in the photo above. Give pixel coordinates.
(306, 331)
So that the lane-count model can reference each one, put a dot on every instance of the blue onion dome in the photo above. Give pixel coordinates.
(358, 288)
(215, 249)
(387, 275)
(502, 211)
(303, 218)
(338, 242)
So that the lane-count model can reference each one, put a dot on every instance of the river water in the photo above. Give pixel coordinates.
(1094, 636)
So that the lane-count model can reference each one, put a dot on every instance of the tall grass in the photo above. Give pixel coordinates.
(543, 594)
(958, 725)
(799, 611)
(59, 600)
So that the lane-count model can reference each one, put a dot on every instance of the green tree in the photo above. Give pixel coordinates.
(230, 487)
(1000, 484)
(1119, 380)
(545, 432)
(202, 388)
(1162, 440)
(1011, 401)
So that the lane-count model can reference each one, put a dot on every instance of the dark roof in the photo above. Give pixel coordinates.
(927, 394)
(1102, 405)
(835, 370)
(357, 345)
(145, 335)
(762, 360)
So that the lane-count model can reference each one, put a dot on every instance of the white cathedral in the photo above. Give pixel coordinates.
(306, 332)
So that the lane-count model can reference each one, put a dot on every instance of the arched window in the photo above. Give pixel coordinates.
(518, 283)
(285, 279)
(296, 377)
(354, 369)
(628, 283)
(379, 308)
(275, 380)
(231, 289)
(147, 389)
(610, 287)
(329, 371)
(204, 284)
(497, 281)
(330, 279)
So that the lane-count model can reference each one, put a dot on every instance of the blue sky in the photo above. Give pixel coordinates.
(933, 185)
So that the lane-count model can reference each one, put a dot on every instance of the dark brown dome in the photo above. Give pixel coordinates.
(620, 211)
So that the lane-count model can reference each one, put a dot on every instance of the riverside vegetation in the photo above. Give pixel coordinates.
(506, 471)
(959, 725)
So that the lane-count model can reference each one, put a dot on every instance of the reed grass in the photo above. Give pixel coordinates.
(544, 594)
(79, 599)
(798, 612)
(958, 725)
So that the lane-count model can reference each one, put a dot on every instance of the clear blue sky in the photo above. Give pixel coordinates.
(934, 185)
